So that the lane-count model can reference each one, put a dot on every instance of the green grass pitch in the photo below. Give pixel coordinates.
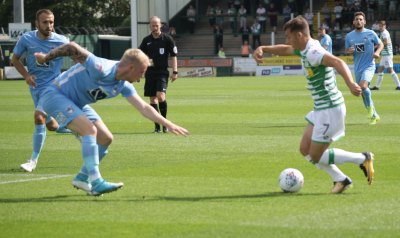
(221, 181)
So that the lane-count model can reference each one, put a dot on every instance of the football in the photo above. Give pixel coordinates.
(291, 180)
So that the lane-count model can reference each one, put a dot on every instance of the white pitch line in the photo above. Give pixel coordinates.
(34, 179)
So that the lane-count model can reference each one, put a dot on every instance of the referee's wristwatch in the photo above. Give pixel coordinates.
(174, 72)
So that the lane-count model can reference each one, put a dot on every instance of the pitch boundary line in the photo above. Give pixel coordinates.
(55, 176)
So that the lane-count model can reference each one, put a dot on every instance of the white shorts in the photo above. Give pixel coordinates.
(329, 124)
(386, 61)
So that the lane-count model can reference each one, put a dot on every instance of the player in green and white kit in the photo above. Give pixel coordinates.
(386, 58)
(326, 122)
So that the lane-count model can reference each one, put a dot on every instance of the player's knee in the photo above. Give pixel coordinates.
(39, 118)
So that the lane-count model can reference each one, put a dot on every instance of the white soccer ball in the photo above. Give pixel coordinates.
(291, 180)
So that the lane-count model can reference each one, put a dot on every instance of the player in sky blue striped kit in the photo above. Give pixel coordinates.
(93, 79)
(38, 76)
(365, 45)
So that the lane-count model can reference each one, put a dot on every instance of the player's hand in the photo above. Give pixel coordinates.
(355, 89)
(174, 77)
(177, 130)
(258, 54)
(40, 57)
(31, 81)
(350, 50)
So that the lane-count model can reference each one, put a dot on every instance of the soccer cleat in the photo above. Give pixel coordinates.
(81, 182)
(368, 166)
(397, 88)
(340, 186)
(165, 130)
(100, 186)
(374, 120)
(63, 130)
(370, 112)
(29, 166)
(156, 131)
(374, 88)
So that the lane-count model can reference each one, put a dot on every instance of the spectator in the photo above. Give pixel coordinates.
(219, 38)
(338, 14)
(221, 53)
(245, 49)
(245, 31)
(371, 6)
(211, 15)
(256, 31)
(396, 50)
(392, 10)
(292, 5)
(242, 16)
(191, 18)
(273, 17)
(287, 13)
(232, 19)
(327, 14)
(172, 32)
(219, 15)
(309, 16)
(237, 5)
(261, 15)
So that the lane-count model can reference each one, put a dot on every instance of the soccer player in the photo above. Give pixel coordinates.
(39, 76)
(158, 47)
(326, 122)
(326, 40)
(90, 80)
(386, 58)
(361, 44)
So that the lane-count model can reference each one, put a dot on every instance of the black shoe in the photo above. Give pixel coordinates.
(157, 130)
(397, 88)
(165, 130)
(374, 88)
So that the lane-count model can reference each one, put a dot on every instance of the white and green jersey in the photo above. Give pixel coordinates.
(388, 48)
(320, 78)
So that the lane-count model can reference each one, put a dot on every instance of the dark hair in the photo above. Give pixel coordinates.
(382, 23)
(359, 14)
(46, 11)
(297, 24)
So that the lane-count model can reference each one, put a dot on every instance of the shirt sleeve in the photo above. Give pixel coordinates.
(128, 90)
(20, 47)
(315, 56)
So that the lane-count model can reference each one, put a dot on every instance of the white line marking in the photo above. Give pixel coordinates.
(55, 176)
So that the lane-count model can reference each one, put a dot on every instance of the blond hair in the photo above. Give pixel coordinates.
(135, 57)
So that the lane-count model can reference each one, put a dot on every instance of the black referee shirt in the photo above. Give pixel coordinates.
(158, 50)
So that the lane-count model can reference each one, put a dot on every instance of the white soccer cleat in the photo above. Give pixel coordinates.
(29, 166)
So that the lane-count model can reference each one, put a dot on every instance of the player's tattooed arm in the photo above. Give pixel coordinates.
(71, 49)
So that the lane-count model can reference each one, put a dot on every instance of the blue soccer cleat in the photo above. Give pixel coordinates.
(100, 186)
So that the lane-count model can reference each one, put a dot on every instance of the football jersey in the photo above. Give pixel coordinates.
(326, 40)
(30, 43)
(158, 50)
(388, 48)
(321, 80)
(92, 81)
(364, 46)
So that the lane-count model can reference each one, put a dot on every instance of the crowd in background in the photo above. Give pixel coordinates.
(235, 17)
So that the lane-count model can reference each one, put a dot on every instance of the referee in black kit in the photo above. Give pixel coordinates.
(158, 47)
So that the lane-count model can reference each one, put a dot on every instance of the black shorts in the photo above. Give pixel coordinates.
(155, 82)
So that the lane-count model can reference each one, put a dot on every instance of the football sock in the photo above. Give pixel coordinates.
(339, 156)
(103, 151)
(90, 155)
(155, 106)
(331, 169)
(395, 79)
(379, 80)
(367, 98)
(163, 108)
(39, 136)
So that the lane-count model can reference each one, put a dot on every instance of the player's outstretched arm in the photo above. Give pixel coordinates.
(342, 68)
(149, 112)
(283, 50)
(71, 49)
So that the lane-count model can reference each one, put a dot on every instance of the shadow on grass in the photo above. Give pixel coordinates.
(109, 198)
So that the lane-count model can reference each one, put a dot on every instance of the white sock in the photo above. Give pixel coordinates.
(338, 156)
(331, 169)
(395, 79)
(379, 80)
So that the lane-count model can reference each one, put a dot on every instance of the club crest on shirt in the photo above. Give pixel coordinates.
(162, 50)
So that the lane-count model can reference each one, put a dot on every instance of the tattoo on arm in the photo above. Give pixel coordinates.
(72, 50)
